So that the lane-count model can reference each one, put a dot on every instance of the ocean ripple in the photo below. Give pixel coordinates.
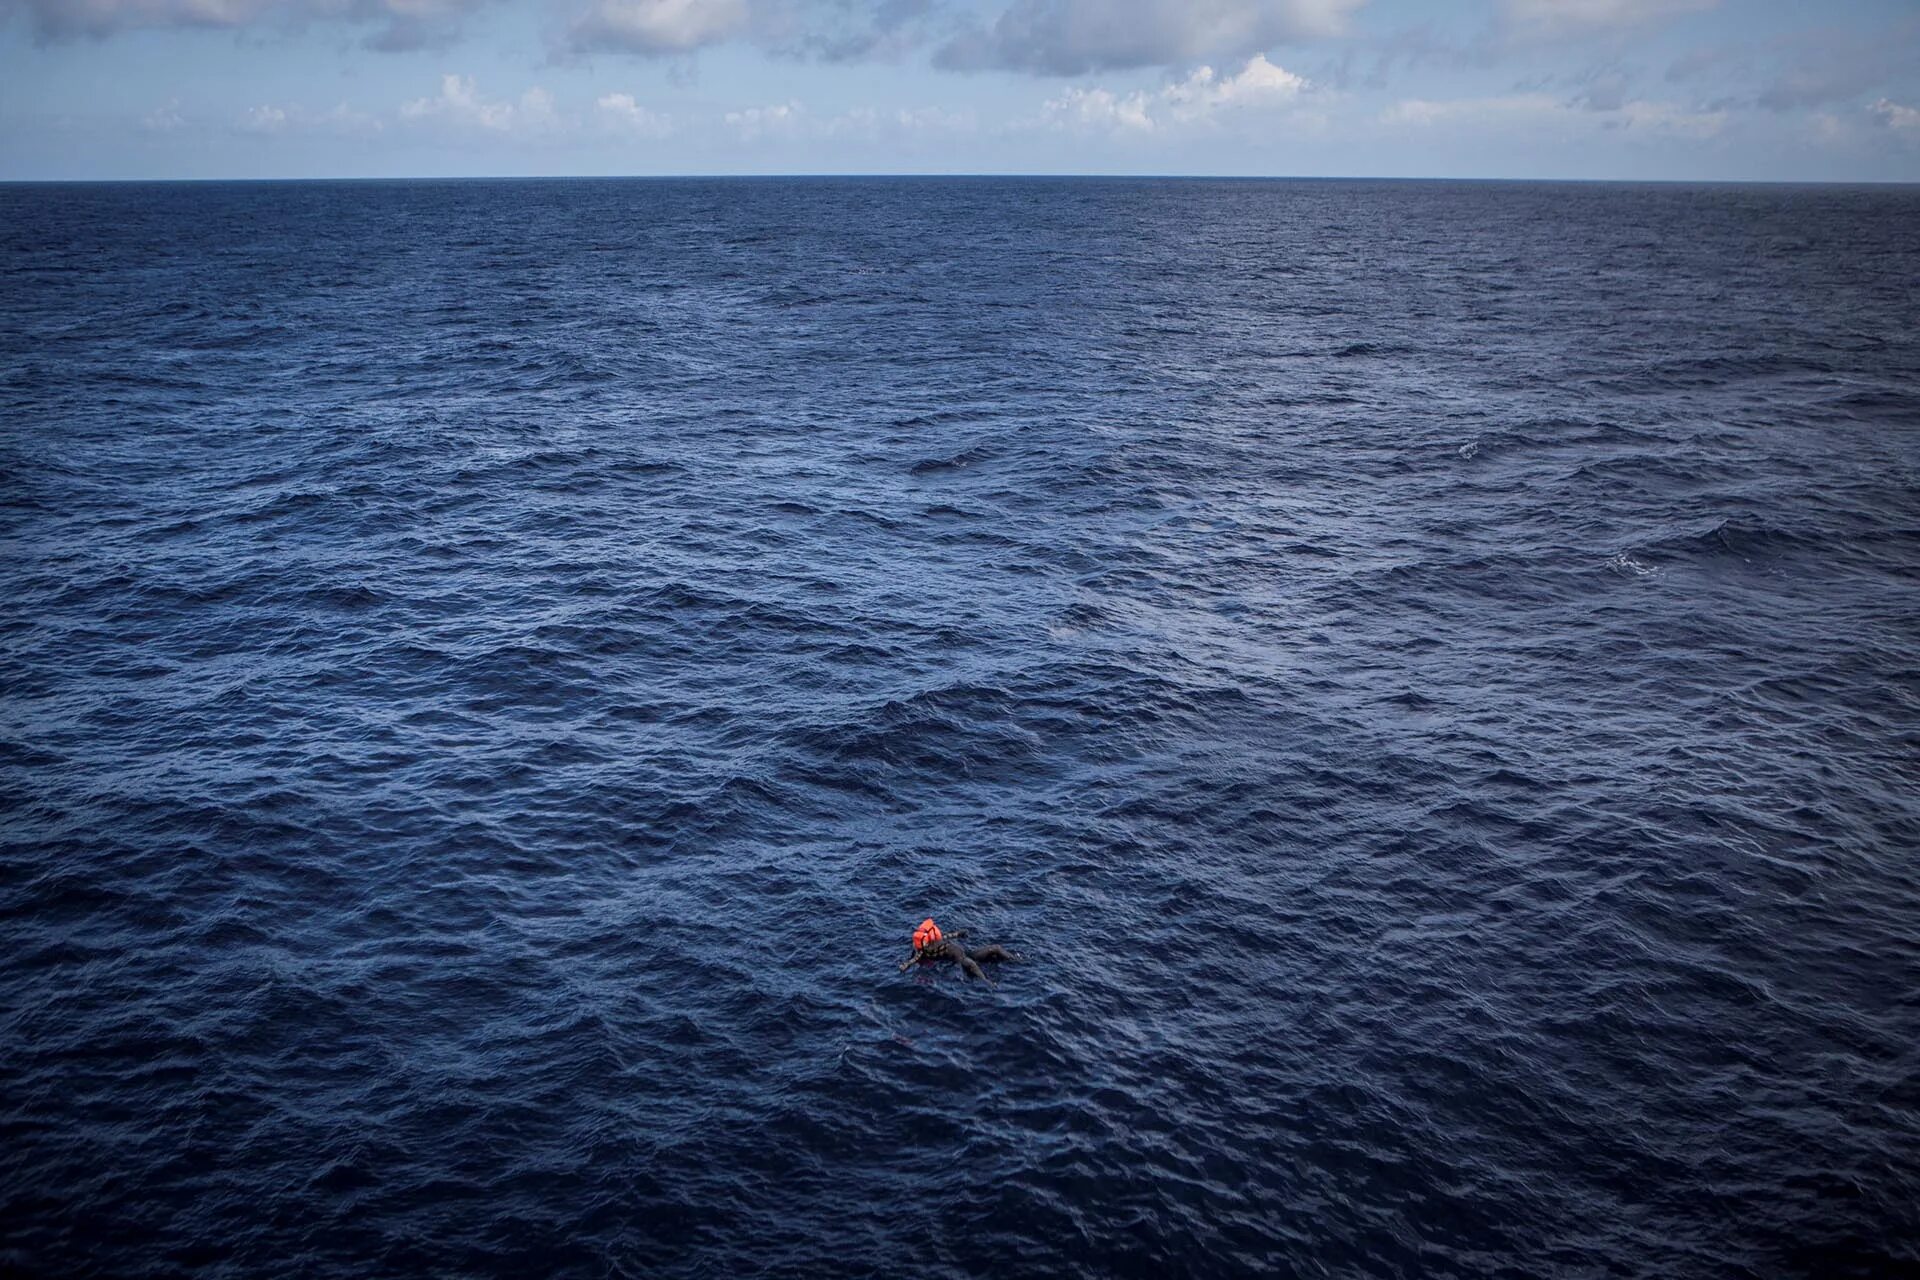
(1425, 673)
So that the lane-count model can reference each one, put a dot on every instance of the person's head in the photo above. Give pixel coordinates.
(926, 935)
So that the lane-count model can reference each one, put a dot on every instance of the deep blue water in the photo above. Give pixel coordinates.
(1428, 674)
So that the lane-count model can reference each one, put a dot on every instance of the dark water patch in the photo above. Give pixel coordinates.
(493, 671)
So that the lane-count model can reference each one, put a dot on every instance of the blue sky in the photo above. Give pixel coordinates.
(1686, 89)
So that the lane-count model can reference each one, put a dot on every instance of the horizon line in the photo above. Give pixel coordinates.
(971, 176)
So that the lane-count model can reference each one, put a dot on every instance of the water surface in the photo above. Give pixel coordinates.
(493, 672)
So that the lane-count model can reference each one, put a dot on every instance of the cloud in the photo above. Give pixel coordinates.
(1892, 115)
(1827, 66)
(1259, 83)
(846, 32)
(878, 122)
(402, 24)
(1557, 19)
(418, 24)
(72, 19)
(657, 27)
(164, 118)
(1669, 119)
(1072, 37)
(1602, 90)
(758, 122)
(1706, 60)
(623, 113)
(1830, 129)
(1053, 37)
(905, 125)
(264, 119)
(268, 120)
(1099, 110)
(1517, 112)
(460, 104)
(1528, 32)
(1425, 113)
(1199, 97)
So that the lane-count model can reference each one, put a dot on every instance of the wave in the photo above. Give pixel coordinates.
(483, 713)
(971, 456)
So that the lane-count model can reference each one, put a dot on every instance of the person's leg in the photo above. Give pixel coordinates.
(993, 952)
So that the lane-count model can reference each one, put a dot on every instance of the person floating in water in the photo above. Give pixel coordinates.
(929, 945)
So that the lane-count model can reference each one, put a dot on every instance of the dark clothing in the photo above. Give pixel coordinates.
(949, 948)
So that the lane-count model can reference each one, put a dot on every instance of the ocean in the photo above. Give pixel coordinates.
(1426, 674)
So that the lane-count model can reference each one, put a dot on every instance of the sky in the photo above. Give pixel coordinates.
(1766, 90)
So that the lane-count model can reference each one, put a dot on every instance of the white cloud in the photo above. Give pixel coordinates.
(1199, 97)
(877, 122)
(1071, 37)
(901, 124)
(1425, 113)
(627, 115)
(1894, 116)
(1259, 83)
(164, 118)
(264, 119)
(657, 26)
(1099, 110)
(460, 103)
(348, 120)
(270, 119)
(758, 122)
